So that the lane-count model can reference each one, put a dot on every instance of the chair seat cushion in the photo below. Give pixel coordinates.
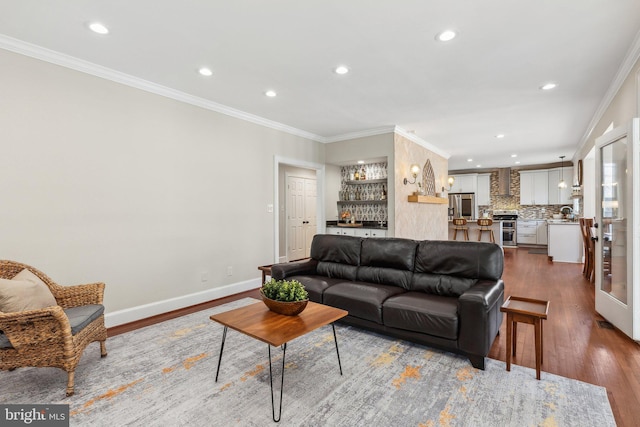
(79, 318)
(362, 300)
(420, 312)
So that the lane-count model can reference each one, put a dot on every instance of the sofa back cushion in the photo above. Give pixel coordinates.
(387, 261)
(449, 268)
(337, 256)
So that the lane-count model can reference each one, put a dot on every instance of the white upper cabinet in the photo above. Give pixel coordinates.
(483, 195)
(464, 183)
(534, 187)
(557, 195)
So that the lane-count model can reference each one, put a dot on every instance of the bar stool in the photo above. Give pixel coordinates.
(460, 224)
(484, 224)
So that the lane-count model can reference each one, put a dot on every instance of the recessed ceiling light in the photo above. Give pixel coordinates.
(478, 166)
(514, 155)
(469, 160)
(518, 162)
(270, 93)
(361, 162)
(500, 136)
(205, 71)
(446, 35)
(548, 86)
(99, 28)
(341, 69)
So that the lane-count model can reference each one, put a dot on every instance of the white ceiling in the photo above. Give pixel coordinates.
(456, 96)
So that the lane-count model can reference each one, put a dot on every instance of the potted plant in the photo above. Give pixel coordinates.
(288, 297)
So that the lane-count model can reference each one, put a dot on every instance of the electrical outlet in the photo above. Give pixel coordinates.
(229, 270)
(270, 208)
(204, 276)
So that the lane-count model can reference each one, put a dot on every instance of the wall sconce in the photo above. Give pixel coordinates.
(450, 181)
(415, 170)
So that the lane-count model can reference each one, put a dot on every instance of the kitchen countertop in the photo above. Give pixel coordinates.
(372, 225)
(562, 222)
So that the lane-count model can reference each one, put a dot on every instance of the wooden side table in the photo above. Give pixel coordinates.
(524, 310)
(266, 271)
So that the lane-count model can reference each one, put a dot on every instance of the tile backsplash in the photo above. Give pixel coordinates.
(513, 201)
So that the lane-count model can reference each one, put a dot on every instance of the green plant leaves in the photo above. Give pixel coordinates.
(285, 290)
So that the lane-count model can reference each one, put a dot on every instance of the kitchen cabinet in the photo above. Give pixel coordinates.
(483, 195)
(557, 195)
(532, 232)
(534, 188)
(341, 231)
(464, 183)
(565, 242)
(541, 233)
(370, 232)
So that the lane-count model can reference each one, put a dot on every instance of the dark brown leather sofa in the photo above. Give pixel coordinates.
(444, 294)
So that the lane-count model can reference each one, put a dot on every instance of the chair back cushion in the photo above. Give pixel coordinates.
(387, 261)
(337, 256)
(450, 268)
(24, 292)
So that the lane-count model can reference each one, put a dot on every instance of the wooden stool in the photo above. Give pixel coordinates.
(484, 224)
(460, 224)
(524, 310)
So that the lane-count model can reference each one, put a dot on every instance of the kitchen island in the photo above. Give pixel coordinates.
(473, 232)
(565, 241)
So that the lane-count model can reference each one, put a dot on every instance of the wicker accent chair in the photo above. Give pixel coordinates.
(44, 337)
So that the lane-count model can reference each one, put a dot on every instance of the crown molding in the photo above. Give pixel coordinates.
(630, 59)
(414, 138)
(359, 134)
(67, 61)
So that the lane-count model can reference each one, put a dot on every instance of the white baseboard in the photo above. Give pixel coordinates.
(282, 259)
(133, 314)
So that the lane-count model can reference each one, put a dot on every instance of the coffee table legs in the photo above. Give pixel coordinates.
(224, 337)
(273, 406)
(335, 339)
(284, 353)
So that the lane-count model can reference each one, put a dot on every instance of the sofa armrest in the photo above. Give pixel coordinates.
(288, 269)
(480, 316)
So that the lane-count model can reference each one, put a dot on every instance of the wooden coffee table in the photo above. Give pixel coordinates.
(257, 321)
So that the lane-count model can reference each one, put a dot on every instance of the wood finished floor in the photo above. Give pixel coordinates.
(575, 346)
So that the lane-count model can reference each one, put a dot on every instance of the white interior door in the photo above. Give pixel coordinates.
(301, 216)
(295, 218)
(310, 220)
(616, 229)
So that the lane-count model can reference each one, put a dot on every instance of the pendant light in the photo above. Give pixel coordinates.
(562, 184)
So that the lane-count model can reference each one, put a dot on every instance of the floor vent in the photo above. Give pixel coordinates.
(604, 324)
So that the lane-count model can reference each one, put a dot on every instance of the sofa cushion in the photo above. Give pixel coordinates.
(450, 268)
(424, 313)
(362, 300)
(79, 318)
(316, 285)
(24, 292)
(387, 261)
(337, 256)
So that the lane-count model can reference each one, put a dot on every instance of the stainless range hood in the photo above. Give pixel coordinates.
(504, 182)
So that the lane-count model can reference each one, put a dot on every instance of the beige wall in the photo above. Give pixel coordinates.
(624, 106)
(104, 182)
(416, 220)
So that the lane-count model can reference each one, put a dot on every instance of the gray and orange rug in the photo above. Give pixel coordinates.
(164, 374)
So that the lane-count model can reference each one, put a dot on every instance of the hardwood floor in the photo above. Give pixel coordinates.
(575, 346)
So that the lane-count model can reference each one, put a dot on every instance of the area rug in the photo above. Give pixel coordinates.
(164, 375)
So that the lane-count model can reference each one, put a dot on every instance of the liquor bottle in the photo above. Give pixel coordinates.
(384, 193)
(357, 175)
(363, 176)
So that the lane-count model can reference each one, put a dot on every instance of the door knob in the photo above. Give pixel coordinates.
(594, 238)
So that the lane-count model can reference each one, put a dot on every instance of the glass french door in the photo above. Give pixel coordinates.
(617, 246)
